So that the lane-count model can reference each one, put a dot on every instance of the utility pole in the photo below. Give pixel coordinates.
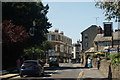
(32, 33)
(97, 20)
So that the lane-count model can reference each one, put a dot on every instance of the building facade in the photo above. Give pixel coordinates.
(62, 45)
(76, 51)
(88, 36)
(103, 43)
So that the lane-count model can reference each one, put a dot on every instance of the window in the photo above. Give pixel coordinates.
(61, 48)
(56, 37)
(86, 44)
(56, 47)
(49, 37)
(53, 37)
(86, 36)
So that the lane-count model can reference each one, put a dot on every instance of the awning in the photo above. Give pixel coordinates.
(99, 53)
(90, 50)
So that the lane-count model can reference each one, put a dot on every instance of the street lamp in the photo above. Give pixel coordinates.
(32, 29)
(32, 33)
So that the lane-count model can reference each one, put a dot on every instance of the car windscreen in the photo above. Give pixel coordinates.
(28, 64)
(53, 60)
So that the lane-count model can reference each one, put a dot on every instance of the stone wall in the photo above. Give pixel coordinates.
(115, 71)
(108, 70)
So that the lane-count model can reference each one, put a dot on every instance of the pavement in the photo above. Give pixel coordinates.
(3, 72)
(86, 74)
(92, 74)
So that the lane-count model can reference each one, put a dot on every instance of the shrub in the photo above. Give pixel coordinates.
(115, 58)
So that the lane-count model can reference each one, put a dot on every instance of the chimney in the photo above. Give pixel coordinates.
(117, 30)
(56, 30)
(100, 31)
(62, 33)
(108, 28)
(78, 42)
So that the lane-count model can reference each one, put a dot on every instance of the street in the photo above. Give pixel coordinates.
(65, 71)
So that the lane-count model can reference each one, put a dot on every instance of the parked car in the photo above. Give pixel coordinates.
(32, 67)
(54, 62)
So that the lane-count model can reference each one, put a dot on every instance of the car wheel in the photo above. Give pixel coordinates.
(39, 73)
(58, 66)
(42, 74)
(50, 65)
(21, 75)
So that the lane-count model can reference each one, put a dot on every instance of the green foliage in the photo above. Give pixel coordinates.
(46, 45)
(38, 52)
(102, 55)
(34, 53)
(24, 13)
(107, 56)
(96, 55)
(111, 9)
(115, 58)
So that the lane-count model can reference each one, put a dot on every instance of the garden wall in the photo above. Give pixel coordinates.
(108, 70)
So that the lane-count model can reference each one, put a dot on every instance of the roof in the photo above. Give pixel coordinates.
(116, 35)
(89, 28)
(52, 32)
(101, 37)
(90, 50)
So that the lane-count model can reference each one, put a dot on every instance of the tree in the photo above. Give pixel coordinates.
(20, 16)
(12, 33)
(34, 53)
(112, 9)
(22, 13)
(46, 45)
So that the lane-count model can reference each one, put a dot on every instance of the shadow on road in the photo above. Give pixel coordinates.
(63, 68)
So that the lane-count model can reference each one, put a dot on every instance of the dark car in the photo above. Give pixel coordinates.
(54, 62)
(32, 67)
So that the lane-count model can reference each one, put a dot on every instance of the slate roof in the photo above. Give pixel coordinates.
(88, 28)
(90, 50)
(116, 35)
(101, 37)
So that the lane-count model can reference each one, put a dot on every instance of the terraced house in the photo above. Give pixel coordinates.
(62, 45)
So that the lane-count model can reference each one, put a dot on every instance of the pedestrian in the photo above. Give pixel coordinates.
(18, 62)
(89, 63)
(98, 63)
(21, 61)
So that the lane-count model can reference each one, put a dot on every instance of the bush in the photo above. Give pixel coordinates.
(115, 58)
(107, 56)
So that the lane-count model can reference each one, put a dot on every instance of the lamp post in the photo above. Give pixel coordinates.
(32, 33)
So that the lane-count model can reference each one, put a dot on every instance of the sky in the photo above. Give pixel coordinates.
(74, 17)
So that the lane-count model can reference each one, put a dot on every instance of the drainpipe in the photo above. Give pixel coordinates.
(118, 26)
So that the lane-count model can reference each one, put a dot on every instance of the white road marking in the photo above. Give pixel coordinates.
(8, 75)
(15, 77)
(80, 75)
